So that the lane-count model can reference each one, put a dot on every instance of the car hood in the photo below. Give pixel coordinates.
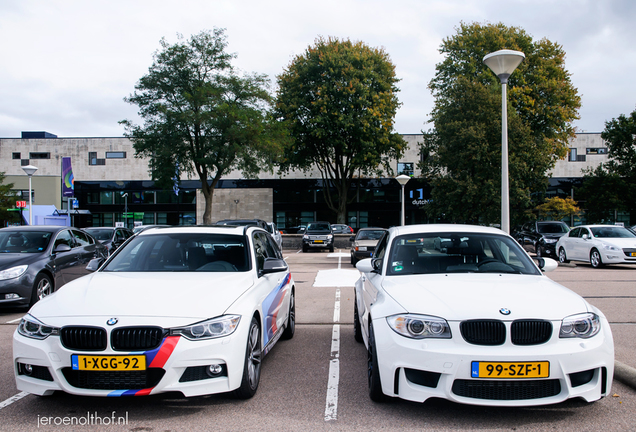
(618, 242)
(195, 296)
(554, 236)
(367, 243)
(481, 296)
(8, 260)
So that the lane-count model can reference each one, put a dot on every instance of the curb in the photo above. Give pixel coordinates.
(625, 374)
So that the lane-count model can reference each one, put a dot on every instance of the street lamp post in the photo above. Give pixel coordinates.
(403, 180)
(125, 196)
(503, 63)
(30, 170)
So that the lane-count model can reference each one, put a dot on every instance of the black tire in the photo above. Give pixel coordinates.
(252, 365)
(331, 249)
(304, 248)
(357, 329)
(563, 257)
(353, 261)
(42, 287)
(537, 249)
(595, 259)
(290, 326)
(375, 385)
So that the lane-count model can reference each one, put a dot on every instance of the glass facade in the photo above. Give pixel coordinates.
(373, 202)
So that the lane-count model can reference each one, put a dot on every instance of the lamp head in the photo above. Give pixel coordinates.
(504, 62)
(403, 179)
(29, 170)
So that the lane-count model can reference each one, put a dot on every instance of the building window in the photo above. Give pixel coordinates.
(405, 168)
(16, 155)
(24, 162)
(596, 151)
(92, 159)
(39, 155)
(575, 157)
(116, 155)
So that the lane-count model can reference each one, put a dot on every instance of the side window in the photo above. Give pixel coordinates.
(574, 233)
(274, 247)
(260, 250)
(119, 235)
(64, 237)
(81, 238)
(380, 249)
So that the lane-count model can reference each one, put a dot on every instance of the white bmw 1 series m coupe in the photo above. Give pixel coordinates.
(183, 309)
(463, 313)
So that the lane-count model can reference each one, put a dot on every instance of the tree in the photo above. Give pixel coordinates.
(339, 100)
(462, 154)
(610, 186)
(7, 200)
(201, 117)
(557, 208)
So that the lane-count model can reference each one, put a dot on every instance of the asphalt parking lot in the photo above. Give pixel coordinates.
(317, 380)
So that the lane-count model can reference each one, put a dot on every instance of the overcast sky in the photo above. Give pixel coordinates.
(66, 65)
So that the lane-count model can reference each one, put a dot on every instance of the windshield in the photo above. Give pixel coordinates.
(100, 234)
(370, 234)
(552, 228)
(433, 253)
(182, 252)
(319, 226)
(24, 242)
(612, 232)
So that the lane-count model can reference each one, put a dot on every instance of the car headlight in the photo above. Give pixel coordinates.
(330, 236)
(305, 237)
(33, 328)
(209, 329)
(13, 272)
(583, 326)
(611, 248)
(419, 326)
(550, 241)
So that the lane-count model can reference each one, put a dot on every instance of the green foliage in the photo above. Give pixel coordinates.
(463, 151)
(558, 208)
(339, 101)
(7, 201)
(202, 118)
(610, 186)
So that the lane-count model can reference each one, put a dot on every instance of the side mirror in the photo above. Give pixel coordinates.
(546, 264)
(369, 265)
(94, 264)
(585, 237)
(273, 265)
(62, 248)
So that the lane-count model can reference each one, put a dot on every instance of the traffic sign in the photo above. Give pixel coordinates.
(20, 204)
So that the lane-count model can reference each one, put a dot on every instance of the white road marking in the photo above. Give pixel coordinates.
(14, 321)
(331, 407)
(12, 399)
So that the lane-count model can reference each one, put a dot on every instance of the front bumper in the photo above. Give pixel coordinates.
(18, 289)
(318, 243)
(616, 257)
(417, 370)
(178, 365)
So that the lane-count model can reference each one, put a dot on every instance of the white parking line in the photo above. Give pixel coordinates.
(12, 399)
(14, 321)
(331, 407)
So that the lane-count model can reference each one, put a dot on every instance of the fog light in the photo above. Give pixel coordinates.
(28, 369)
(214, 370)
(11, 296)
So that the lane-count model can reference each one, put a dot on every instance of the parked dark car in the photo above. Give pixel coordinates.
(244, 222)
(341, 229)
(541, 237)
(318, 235)
(110, 237)
(37, 260)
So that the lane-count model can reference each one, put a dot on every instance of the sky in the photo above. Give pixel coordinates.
(67, 65)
